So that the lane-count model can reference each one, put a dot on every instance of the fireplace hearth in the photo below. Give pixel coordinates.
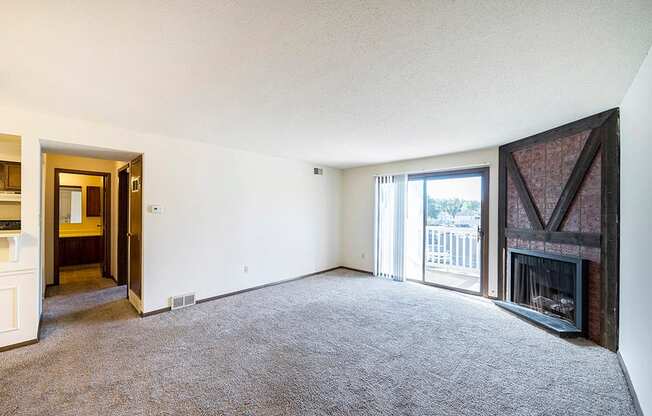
(547, 290)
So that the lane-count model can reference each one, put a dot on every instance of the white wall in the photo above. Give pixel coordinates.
(223, 208)
(635, 238)
(358, 204)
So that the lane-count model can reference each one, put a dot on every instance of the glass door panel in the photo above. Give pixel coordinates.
(452, 233)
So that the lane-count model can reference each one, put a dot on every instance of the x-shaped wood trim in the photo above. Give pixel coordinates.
(523, 193)
(571, 188)
(582, 166)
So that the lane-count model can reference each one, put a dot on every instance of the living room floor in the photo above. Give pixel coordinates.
(337, 343)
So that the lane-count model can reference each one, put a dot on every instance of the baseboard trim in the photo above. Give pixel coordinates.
(630, 386)
(237, 292)
(28, 342)
(18, 345)
(155, 312)
(280, 282)
(356, 270)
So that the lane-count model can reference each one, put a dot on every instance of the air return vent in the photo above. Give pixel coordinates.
(182, 301)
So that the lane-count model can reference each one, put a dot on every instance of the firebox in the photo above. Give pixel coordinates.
(548, 290)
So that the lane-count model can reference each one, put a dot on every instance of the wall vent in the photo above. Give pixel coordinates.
(318, 171)
(182, 301)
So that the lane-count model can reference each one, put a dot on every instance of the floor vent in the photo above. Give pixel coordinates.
(182, 301)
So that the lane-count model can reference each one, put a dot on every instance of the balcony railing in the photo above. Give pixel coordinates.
(453, 249)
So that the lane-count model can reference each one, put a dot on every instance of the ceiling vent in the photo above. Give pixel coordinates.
(318, 171)
(182, 301)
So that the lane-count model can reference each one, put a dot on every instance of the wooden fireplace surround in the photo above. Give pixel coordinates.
(559, 192)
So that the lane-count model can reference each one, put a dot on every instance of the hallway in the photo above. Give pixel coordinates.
(74, 279)
(83, 295)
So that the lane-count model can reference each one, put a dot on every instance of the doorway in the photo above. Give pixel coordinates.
(123, 225)
(97, 246)
(82, 222)
(446, 238)
(130, 214)
(135, 228)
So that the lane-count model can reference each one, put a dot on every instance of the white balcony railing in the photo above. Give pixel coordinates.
(453, 249)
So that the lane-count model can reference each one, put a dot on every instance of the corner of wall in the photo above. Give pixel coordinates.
(635, 337)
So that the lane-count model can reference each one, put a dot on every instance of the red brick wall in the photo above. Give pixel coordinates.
(546, 167)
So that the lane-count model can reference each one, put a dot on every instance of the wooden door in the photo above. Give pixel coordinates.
(123, 226)
(135, 225)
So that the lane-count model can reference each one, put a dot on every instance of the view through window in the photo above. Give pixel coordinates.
(447, 239)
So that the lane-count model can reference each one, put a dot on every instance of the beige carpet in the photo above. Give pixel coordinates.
(339, 343)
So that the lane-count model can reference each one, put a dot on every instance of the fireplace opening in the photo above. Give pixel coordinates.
(547, 289)
(545, 285)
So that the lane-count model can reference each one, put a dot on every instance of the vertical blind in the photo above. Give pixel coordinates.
(389, 226)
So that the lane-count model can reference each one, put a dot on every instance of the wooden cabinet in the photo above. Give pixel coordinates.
(81, 250)
(9, 176)
(93, 201)
(13, 176)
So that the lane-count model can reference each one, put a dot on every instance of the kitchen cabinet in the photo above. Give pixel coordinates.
(10, 176)
(93, 201)
(81, 250)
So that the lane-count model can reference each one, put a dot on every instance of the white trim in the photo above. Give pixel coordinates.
(16, 308)
(19, 271)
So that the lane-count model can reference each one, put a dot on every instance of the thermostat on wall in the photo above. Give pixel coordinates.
(155, 209)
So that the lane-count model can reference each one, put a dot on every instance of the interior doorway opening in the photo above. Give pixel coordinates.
(89, 204)
(123, 225)
(82, 225)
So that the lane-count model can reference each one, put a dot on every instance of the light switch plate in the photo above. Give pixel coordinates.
(155, 209)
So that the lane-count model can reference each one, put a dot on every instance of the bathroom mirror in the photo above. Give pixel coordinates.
(70, 205)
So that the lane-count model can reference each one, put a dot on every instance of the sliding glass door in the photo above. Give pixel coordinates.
(445, 238)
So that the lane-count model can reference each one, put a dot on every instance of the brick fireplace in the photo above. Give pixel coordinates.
(559, 195)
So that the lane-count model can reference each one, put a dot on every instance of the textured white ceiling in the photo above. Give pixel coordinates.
(340, 83)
